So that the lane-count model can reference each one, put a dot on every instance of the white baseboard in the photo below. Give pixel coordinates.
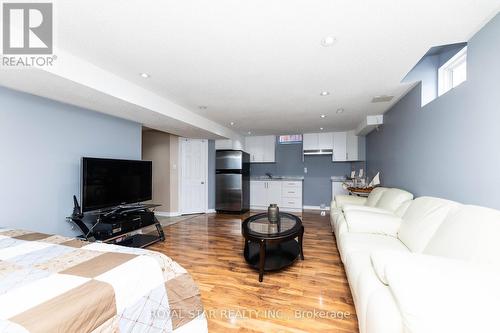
(315, 208)
(168, 214)
(211, 211)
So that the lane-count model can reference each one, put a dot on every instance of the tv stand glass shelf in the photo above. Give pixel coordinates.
(126, 225)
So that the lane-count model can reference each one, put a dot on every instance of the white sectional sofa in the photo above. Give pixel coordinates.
(419, 266)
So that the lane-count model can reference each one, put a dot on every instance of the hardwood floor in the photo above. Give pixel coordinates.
(310, 296)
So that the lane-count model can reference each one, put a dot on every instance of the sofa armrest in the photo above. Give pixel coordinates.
(342, 200)
(372, 223)
(431, 292)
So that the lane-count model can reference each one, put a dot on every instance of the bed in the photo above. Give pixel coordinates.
(50, 283)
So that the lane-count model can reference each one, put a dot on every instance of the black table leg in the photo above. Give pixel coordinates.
(262, 259)
(301, 236)
(245, 249)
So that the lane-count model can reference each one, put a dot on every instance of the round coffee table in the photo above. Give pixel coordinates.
(272, 246)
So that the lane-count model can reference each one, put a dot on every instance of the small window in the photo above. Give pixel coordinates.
(453, 72)
(290, 139)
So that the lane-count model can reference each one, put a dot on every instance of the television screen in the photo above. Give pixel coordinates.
(109, 182)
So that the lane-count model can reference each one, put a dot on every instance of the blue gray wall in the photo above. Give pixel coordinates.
(317, 185)
(42, 142)
(448, 148)
(211, 174)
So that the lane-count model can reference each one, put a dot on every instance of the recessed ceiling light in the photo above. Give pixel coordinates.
(231, 123)
(145, 75)
(321, 128)
(325, 93)
(202, 107)
(328, 41)
(340, 110)
(323, 116)
(249, 132)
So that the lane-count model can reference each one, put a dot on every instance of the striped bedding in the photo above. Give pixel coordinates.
(51, 283)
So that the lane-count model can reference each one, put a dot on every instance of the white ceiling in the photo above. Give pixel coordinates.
(258, 63)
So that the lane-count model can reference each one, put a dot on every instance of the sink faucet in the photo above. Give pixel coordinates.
(269, 175)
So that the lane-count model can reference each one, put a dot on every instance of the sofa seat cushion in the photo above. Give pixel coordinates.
(469, 233)
(421, 220)
(359, 242)
(360, 221)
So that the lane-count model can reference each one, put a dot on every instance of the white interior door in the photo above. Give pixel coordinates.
(194, 174)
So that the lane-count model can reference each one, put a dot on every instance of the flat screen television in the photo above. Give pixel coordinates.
(108, 182)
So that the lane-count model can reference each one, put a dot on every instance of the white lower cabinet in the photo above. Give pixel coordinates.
(286, 194)
(258, 193)
(274, 193)
(338, 189)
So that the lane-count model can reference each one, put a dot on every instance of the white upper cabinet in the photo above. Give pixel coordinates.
(347, 146)
(228, 144)
(224, 144)
(317, 141)
(339, 147)
(261, 148)
(310, 141)
(352, 146)
(325, 140)
(269, 144)
(253, 148)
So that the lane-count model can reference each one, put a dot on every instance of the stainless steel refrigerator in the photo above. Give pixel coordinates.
(232, 181)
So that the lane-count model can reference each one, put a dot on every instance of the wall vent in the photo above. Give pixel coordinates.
(382, 99)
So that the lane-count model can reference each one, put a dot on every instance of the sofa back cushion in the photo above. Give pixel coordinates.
(403, 208)
(393, 198)
(470, 233)
(421, 220)
(374, 196)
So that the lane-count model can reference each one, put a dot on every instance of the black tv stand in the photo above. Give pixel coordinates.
(127, 225)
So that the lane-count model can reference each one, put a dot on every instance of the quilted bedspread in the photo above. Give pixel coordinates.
(51, 283)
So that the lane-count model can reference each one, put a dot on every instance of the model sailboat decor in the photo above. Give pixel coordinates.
(363, 190)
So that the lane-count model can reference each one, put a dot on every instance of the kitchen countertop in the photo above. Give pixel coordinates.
(338, 179)
(278, 178)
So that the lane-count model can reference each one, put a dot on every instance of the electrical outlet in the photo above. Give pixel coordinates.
(305, 169)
